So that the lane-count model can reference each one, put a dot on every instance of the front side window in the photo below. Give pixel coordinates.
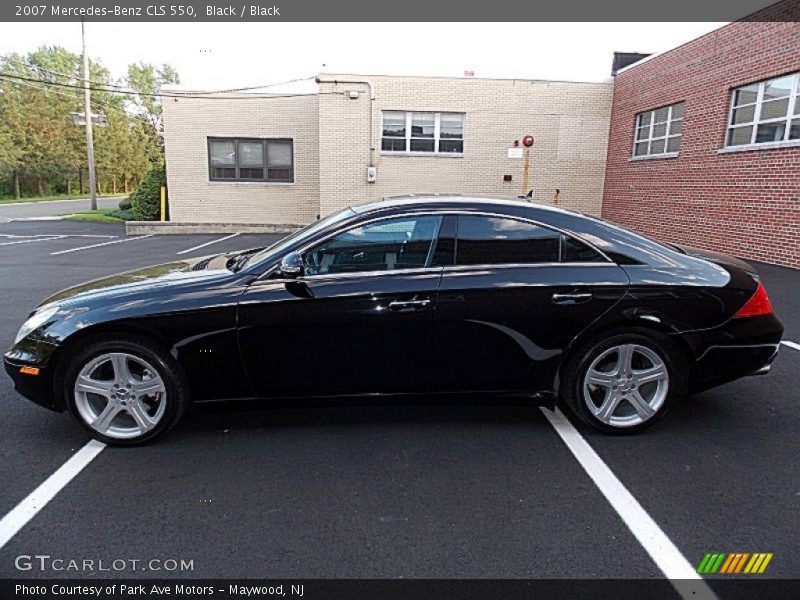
(422, 132)
(765, 112)
(659, 131)
(495, 240)
(233, 159)
(387, 245)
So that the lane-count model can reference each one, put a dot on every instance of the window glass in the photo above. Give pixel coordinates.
(494, 240)
(279, 160)
(401, 243)
(577, 251)
(778, 88)
(250, 160)
(428, 132)
(774, 109)
(222, 156)
(761, 112)
(394, 124)
(739, 136)
(745, 95)
(659, 131)
(451, 133)
(422, 125)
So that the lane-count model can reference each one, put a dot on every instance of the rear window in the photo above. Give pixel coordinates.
(495, 240)
(576, 251)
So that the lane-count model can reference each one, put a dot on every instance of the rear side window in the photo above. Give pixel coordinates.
(495, 240)
(576, 251)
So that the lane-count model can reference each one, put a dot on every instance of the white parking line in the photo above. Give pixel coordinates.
(140, 237)
(31, 240)
(63, 235)
(23, 512)
(794, 345)
(227, 237)
(663, 552)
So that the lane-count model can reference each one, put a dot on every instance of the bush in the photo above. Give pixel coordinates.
(125, 203)
(125, 215)
(146, 200)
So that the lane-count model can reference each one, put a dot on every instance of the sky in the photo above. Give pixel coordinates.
(211, 56)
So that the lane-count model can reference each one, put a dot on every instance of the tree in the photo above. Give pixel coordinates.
(148, 80)
(41, 150)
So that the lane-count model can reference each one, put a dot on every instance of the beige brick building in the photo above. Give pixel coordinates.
(283, 161)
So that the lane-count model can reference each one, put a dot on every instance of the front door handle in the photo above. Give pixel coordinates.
(571, 298)
(408, 305)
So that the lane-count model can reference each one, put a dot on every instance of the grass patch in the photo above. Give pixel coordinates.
(102, 216)
(56, 198)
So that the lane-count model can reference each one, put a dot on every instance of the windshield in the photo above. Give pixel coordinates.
(277, 249)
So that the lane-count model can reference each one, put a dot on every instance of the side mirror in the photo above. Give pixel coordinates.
(292, 265)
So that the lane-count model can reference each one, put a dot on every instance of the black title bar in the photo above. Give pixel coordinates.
(407, 10)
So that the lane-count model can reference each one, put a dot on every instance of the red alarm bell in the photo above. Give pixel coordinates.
(527, 141)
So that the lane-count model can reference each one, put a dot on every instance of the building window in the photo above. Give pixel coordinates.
(765, 112)
(250, 160)
(658, 132)
(422, 132)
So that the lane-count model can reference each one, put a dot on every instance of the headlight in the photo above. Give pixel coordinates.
(36, 321)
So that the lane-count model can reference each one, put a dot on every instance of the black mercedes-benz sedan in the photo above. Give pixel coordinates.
(421, 296)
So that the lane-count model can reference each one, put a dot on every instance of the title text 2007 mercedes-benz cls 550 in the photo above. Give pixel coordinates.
(445, 297)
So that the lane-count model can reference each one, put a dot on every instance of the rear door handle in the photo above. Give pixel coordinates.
(571, 298)
(408, 305)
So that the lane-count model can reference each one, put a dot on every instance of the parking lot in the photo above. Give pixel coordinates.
(391, 492)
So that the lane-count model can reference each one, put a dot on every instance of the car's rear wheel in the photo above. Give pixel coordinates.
(124, 391)
(623, 382)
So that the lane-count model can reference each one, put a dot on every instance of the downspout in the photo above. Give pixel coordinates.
(371, 112)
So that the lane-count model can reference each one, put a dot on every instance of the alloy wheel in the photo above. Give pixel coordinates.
(626, 385)
(120, 395)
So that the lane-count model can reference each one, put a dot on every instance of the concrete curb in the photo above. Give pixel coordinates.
(158, 227)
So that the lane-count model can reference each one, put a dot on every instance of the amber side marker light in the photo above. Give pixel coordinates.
(758, 304)
(29, 370)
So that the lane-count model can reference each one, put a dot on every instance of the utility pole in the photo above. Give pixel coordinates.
(87, 110)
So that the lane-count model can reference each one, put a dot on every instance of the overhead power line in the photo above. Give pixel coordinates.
(104, 105)
(129, 89)
(196, 95)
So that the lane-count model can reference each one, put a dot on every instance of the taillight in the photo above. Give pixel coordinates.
(758, 304)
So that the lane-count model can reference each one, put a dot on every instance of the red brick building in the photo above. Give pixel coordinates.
(704, 143)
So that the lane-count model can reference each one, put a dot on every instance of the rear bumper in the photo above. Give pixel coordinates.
(36, 388)
(739, 348)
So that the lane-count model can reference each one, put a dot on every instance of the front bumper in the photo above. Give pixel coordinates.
(739, 348)
(37, 388)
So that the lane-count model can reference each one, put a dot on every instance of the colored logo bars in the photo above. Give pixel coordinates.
(736, 562)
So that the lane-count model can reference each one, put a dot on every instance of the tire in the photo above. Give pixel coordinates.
(631, 398)
(130, 390)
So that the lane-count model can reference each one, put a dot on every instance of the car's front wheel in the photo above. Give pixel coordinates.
(623, 382)
(124, 391)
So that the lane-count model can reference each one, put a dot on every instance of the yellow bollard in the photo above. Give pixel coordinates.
(163, 203)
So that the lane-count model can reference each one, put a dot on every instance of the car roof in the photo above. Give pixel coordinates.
(615, 241)
(455, 201)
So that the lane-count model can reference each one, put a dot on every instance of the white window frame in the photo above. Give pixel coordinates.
(650, 139)
(794, 101)
(437, 119)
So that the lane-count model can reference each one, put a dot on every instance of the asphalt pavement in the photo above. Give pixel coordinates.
(51, 208)
(390, 491)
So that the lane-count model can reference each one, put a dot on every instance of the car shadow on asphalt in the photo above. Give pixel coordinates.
(253, 414)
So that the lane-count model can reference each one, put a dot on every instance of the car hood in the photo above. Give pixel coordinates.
(178, 272)
(716, 257)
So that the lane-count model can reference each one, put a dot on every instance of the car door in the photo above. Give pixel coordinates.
(517, 294)
(357, 321)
